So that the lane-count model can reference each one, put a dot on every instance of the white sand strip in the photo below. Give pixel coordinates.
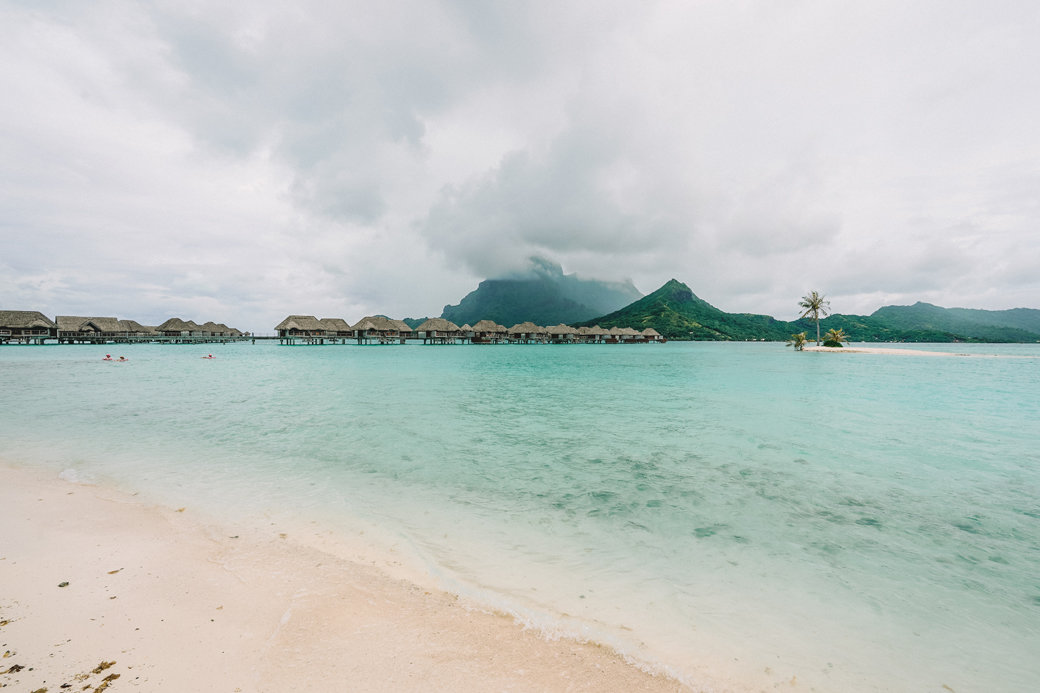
(98, 585)
(897, 352)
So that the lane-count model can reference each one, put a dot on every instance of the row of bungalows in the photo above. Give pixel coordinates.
(379, 329)
(32, 327)
(372, 329)
(77, 329)
(176, 329)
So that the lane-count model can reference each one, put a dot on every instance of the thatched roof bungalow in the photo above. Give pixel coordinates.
(380, 328)
(68, 325)
(102, 327)
(133, 328)
(629, 335)
(527, 332)
(592, 335)
(403, 328)
(337, 327)
(174, 327)
(300, 326)
(438, 331)
(562, 334)
(488, 332)
(652, 335)
(211, 329)
(27, 325)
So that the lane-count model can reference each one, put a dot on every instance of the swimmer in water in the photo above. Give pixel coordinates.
(123, 358)
(108, 357)
(208, 357)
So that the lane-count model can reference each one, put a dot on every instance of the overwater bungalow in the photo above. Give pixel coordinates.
(438, 331)
(305, 327)
(26, 327)
(136, 329)
(102, 329)
(630, 336)
(381, 330)
(591, 335)
(404, 329)
(652, 335)
(527, 333)
(337, 329)
(562, 334)
(174, 327)
(68, 327)
(489, 332)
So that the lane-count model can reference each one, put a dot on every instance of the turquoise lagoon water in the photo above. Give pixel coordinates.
(739, 515)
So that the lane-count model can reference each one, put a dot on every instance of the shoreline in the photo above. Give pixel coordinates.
(103, 589)
(899, 352)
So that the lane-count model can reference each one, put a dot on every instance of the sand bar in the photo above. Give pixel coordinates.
(102, 591)
(897, 352)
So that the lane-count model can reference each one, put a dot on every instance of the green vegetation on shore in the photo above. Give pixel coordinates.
(677, 313)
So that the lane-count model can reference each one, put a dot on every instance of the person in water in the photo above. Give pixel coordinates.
(208, 357)
(108, 357)
(123, 358)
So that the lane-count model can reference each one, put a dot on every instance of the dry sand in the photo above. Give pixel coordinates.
(100, 590)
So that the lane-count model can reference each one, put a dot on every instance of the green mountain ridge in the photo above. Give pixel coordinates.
(677, 313)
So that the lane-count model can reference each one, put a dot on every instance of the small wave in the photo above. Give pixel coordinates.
(76, 476)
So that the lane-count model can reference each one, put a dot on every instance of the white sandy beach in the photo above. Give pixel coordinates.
(896, 352)
(103, 591)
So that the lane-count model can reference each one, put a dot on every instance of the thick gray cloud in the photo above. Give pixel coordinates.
(242, 162)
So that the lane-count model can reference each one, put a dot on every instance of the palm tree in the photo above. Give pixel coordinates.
(835, 336)
(815, 306)
(798, 341)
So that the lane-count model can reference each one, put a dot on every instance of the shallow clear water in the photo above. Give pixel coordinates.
(859, 522)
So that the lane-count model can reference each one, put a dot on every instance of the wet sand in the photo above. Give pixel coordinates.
(102, 591)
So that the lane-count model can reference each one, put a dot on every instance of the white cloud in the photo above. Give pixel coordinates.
(249, 161)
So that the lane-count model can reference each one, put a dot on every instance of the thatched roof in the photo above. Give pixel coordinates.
(134, 326)
(336, 324)
(70, 323)
(307, 323)
(650, 332)
(629, 332)
(379, 323)
(24, 318)
(401, 325)
(437, 325)
(526, 328)
(615, 332)
(103, 324)
(192, 325)
(173, 325)
(561, 329)
(210, 326)
(488, 326)
(466, 328)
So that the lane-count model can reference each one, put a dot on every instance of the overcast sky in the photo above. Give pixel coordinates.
(239, 162)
